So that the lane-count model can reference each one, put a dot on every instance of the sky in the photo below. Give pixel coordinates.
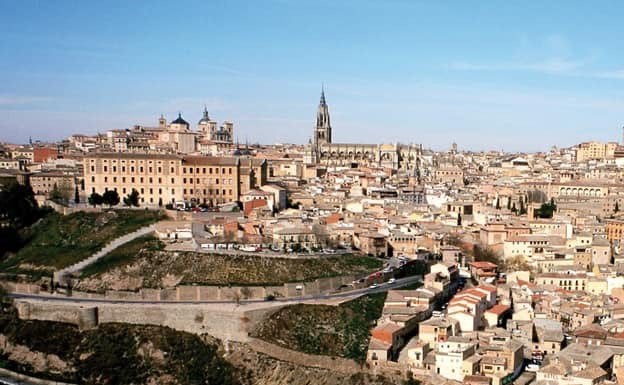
(488, 75)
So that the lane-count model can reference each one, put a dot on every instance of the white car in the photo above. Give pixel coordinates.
(392, 280)
(532, 368)
(374, 285)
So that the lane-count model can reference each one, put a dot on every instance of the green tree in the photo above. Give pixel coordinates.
(55, 194)
(546, 210)
(132, 199)
(18, 207)
(95, 199)
(111, 198)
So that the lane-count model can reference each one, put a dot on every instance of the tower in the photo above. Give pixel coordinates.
(322, 131)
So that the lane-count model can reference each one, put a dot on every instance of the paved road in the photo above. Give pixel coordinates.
(311, 298)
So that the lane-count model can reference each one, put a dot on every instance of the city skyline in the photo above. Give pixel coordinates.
(424, 73)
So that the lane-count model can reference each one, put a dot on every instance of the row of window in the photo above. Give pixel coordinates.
(203, 170)
(206, 181)
(141, 190)
(132, 180)
(150, 170)
(209, 191)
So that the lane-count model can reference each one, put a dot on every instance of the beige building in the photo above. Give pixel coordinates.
(168, 178)
(43, 183)
(595, 150)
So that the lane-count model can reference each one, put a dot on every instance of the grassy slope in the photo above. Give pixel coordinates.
(123, 255)
(118, 353)
(215, 269)
(59, 241)
(342, 331)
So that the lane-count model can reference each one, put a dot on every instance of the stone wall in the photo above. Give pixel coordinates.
(85, 317)
(206, 293)
(223, 323)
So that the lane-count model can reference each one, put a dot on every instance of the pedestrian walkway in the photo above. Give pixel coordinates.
(61, 276)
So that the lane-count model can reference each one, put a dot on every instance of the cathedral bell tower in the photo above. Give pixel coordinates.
(322, 131)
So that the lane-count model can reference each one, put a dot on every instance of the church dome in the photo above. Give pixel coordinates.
(205, 118)
(179, 120)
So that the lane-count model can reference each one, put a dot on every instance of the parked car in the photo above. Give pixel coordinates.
(392, 280)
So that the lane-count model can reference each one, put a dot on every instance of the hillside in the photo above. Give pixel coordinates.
(58, 241)
(111, 354)
(342, 331)
(153, 268)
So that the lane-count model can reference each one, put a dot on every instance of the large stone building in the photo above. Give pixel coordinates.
(168, 178)
(322, 151)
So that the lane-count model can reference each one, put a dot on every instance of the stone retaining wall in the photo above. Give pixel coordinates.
(206, 293)
(222, 323)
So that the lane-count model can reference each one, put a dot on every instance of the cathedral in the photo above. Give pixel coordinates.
(322, 151)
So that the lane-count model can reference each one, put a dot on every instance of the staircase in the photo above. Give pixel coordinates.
(60, 276)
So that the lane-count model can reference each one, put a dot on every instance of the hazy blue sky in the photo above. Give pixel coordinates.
(515, 75)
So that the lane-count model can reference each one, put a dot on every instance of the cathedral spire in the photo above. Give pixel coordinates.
(322, 131)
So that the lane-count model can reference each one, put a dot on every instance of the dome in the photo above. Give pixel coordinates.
(205, 118)
(179, 120)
